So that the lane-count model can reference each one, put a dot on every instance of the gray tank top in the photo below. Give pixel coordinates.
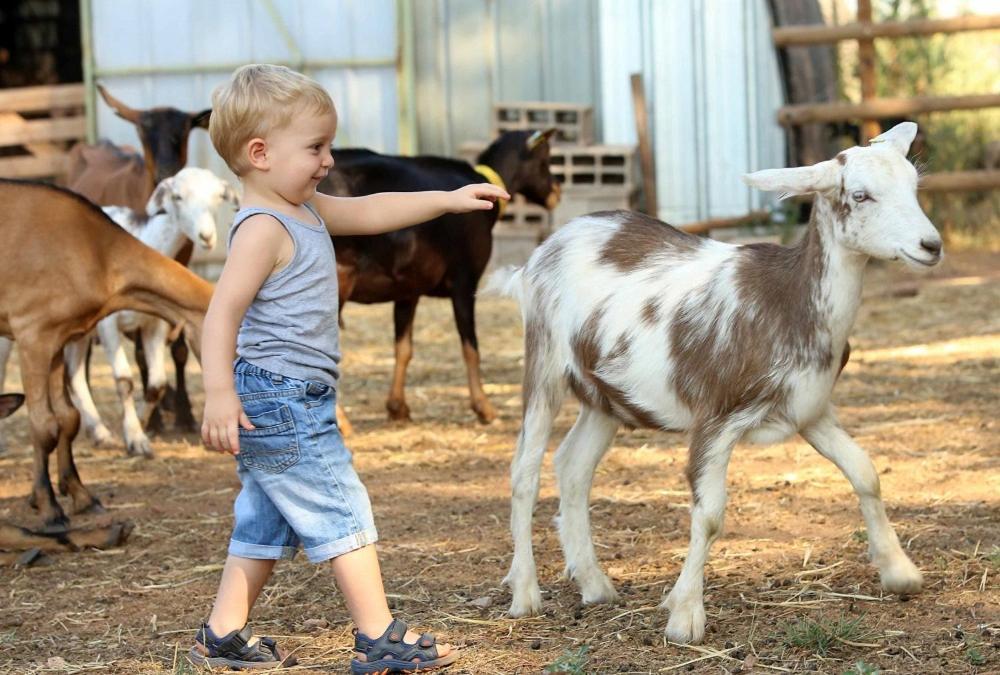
(291, 327)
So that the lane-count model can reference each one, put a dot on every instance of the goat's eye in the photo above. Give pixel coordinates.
(175, 197)
(860, 196)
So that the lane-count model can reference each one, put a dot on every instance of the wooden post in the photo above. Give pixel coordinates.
(866, 65)
(645, 144)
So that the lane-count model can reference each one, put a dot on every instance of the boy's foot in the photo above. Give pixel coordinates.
(237, 650)
(390, 653)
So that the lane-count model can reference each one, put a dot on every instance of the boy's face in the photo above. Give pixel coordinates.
(298, 155)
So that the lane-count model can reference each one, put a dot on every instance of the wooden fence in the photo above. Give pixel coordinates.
(872, 108)
(37, 127)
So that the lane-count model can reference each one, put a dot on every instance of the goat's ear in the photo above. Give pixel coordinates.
(229, 195)
(9, 403)
(798, 181)
(162, 197)
(899, 138)
(122, 110)
(200, 119)
(537, 138)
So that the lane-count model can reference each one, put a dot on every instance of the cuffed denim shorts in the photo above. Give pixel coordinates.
(299, 485)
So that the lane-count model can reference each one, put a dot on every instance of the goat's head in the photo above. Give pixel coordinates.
(872, 191)
(163, 132)
(9, 403)
(528, 153)
(191, 199)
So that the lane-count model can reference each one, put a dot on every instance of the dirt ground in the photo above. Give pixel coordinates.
(788, 587)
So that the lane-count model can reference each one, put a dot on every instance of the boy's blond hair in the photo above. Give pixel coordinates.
(257, 99)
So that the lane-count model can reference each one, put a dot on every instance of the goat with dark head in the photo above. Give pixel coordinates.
(444, 257)
(111, 176)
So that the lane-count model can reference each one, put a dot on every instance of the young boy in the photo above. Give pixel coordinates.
(275, 306)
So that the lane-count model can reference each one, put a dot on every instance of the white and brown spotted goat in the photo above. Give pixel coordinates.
(652, 327)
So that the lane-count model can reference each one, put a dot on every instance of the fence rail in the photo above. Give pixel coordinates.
(37, 127)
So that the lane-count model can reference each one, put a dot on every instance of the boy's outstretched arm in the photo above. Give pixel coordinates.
(260, 246)
(387, 211)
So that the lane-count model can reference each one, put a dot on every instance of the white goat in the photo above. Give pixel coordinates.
(181, 207)
(652, 327)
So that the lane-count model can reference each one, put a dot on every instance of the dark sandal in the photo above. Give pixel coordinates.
(233, 651)
(389, 654)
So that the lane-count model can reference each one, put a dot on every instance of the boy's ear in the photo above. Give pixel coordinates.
(257, 153)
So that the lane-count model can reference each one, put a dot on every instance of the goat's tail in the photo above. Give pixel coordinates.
(507, 281)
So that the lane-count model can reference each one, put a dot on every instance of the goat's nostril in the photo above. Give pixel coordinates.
(932, 246)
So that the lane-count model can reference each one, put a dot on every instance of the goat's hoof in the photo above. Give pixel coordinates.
(56, 522)
(101, 436)
(485, 412)
(687, 623)
(398, 411)
(186, 423)
(140, 447)
(526, 598)
(901, 577)
(118, 533)
(92, 505)
(598, 590)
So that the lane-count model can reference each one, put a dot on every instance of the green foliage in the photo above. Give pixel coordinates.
(973, 654)
(860, 536)
(570, 662)
(821, 635)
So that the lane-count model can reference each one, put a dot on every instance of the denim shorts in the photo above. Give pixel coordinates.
(299, 486)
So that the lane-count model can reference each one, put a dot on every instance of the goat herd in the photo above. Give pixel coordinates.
(646, 325)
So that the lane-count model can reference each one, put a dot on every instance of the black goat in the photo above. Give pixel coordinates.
(444, 257)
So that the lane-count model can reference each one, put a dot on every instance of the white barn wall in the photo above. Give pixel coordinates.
(713, 87)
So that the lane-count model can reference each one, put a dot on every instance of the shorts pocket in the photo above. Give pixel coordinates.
(272, 445)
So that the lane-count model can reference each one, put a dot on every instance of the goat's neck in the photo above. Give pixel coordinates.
(506, 164)
(164, 234)
(840, 273)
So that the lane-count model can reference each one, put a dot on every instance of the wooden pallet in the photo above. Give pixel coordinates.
(38, 125)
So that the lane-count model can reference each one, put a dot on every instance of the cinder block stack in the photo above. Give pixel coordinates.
(594, 177)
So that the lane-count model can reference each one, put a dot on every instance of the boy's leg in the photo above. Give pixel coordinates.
(241, 583)
(360, 580)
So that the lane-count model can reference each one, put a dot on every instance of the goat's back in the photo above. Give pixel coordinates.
(107, 175)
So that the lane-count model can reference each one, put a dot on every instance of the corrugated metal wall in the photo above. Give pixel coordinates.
(713, 86)
(160, 52)
(710, 70)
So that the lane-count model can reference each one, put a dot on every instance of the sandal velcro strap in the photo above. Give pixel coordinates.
(391, 652)
(426, 640)
(234, 650)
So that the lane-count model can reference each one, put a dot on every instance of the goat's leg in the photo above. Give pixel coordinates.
(154, 340)
(75, 354)
(543, 393)
(136, 442)
(576, 459)
(68, 419)
(403, 312)
(463, 303)
(154, 422)
(898, 574)
(183, 417)
(707, 463)
(6, 347)
(36, 358)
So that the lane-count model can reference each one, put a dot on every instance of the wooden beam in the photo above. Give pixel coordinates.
(703, 226)
(30, 99)
(866, 69)
(881, 108)
(948, 181)
(44, 130)
(645, 144)
(788, 36)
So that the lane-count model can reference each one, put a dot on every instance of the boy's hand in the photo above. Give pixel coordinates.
(223, 412)
(475, 197)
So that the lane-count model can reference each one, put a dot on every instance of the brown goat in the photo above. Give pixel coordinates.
(68, 266)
